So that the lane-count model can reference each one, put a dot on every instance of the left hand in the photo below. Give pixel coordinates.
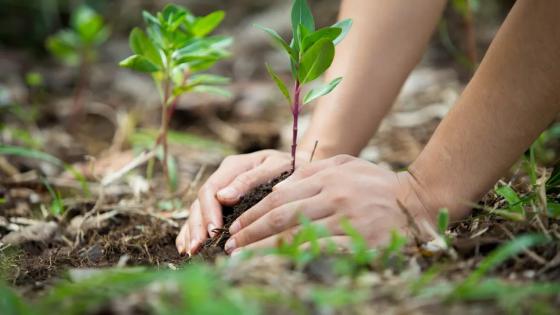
(326, 192)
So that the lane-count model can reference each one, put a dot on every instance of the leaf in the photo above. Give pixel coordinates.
(64, 46)
(553, 209)
(141, 45)
(207, 24)
(281, 86)
(212, 90)
(11, 303)
(322, 90)
(208, 79)
(513, 200)
(277, 39)
(301, 14)
(443, 221)
(87, 23)
(316, 60)
(330, 33)
(345, 26)
(139, 63)
(173, 172)
(30, 153)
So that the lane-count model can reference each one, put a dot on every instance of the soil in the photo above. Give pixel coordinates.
(215, 245)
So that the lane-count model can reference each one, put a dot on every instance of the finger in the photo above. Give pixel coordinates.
(245, 182)
(182, 240)
(228, 170)
(279, 220)
(332, 224)
(312, 169)
(305, 189)
(197, 229)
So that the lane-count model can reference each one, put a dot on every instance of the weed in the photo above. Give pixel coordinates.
(175, 47)
(311, 53)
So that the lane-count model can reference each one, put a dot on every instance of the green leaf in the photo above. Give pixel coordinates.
(87, 23)
(322, 90)
(330, 33)
(64, 46)
(11, 303)
(281, 86)
(208, 79)
(139, 63)
(301, 14)
(212, 90)
(443, 220)
(316, 60)
(553, 209)
(141, 45)
(277, 39)
(345, 26)
(513, 200)
(207, 24)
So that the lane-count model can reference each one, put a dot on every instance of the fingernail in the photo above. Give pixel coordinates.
(234, 228)
(230, 245)
(211, 228)
(193, 244)
(228, 193)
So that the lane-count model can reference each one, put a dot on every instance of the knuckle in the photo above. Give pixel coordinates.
(276, 220)
(245, 180)
(342, 158)
(274, 200)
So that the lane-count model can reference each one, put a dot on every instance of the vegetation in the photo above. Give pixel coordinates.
(174, 49)
(311, 53)
(112, 248)
(78, 45)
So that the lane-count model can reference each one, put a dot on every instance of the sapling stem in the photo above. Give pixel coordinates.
(296, 108)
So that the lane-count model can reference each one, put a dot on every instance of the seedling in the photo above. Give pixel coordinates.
(311, 53)
(78, 45)
(174, 48)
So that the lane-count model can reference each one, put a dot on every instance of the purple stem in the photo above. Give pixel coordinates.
(295, 113)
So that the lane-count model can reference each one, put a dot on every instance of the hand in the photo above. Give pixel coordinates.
(236, 176)
(326, 192)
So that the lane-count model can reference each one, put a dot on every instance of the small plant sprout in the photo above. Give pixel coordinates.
(311, 53)
(174, 49)
(78, 45)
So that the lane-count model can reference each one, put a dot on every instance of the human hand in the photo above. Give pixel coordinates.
(236, 176)
(326, 192)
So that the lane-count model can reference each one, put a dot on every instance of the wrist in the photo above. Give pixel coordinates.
(436, 191)
(415, 199)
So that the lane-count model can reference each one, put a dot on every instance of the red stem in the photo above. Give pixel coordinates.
(296, 108)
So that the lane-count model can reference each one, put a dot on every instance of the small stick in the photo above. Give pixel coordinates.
(313, 152)
(139, 160)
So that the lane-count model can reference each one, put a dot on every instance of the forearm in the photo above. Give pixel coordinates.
(512, 98)
(387, 39)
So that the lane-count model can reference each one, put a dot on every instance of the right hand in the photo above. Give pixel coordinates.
(236, 176)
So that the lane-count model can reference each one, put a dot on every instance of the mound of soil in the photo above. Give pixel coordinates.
(215, 245)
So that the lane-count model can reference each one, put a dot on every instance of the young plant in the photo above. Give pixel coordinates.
(78, 45)
(174, 49)
(311, 53)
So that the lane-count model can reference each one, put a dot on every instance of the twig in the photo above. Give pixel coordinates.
(527, 251)
(139, 160)
(313, 152)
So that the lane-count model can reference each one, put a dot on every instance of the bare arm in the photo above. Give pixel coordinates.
(512, 98)
(386, 42)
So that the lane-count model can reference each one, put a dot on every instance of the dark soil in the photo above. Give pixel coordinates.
(215, 245)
